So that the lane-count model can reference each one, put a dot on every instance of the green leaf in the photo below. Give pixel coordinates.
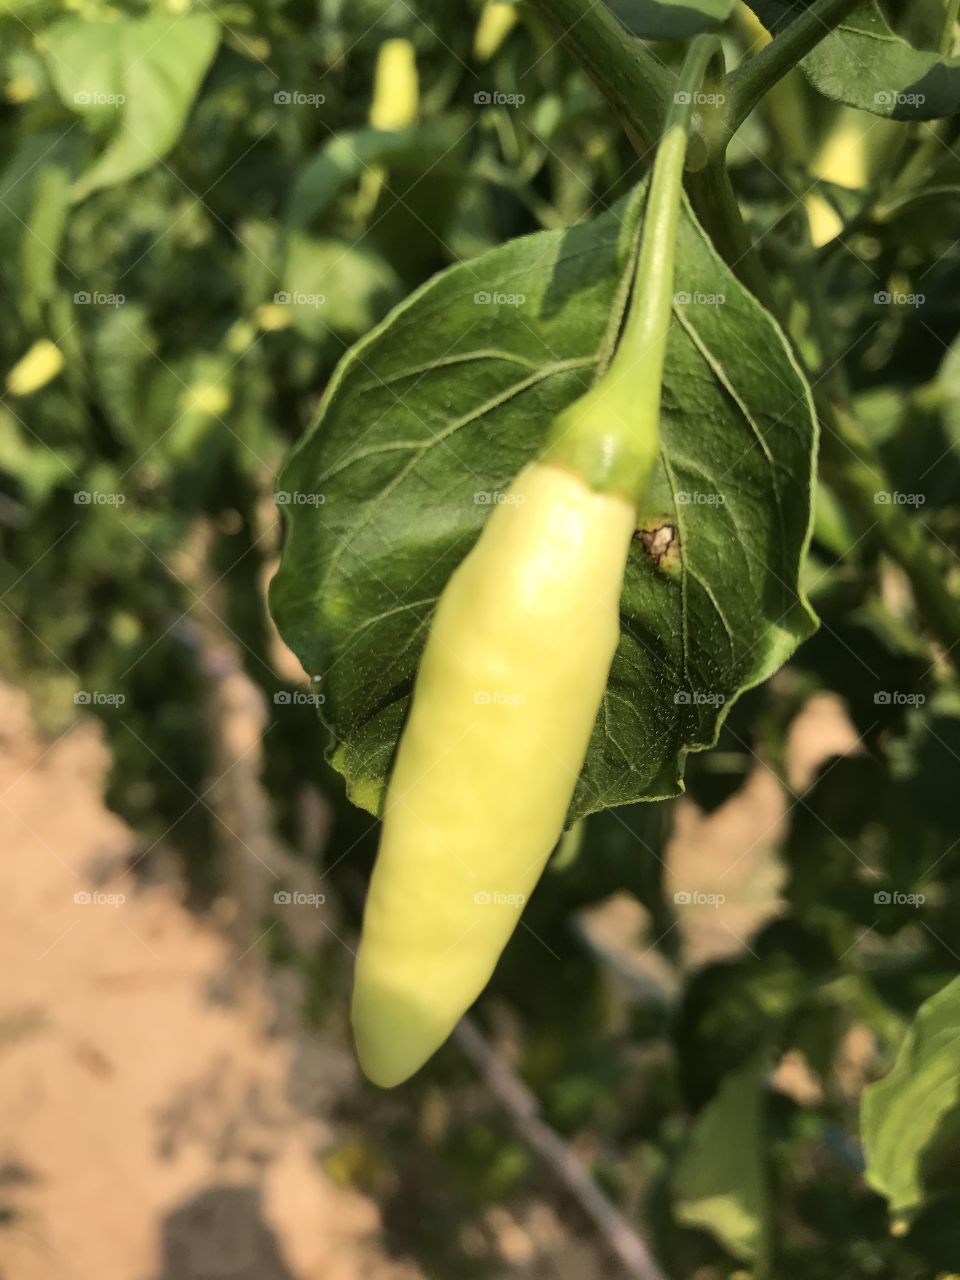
(720, 1184)
(659, 20)
(133, 79)
(344, 158)
(438, 409)
(865, 64)
(332, 285)
(903, 1114)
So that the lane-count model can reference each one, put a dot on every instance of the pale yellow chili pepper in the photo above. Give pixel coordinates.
(505, 701)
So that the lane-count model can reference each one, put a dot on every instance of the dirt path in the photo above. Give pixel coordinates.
(145, 1128)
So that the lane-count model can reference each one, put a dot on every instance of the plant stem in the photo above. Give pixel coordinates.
(635, 83)
(611, 435)
(613, 61)
(522, 1106)
(748, 82)
(715, 204)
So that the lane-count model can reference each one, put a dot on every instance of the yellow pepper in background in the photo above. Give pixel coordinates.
(396, 87)
(497, 20)
(39, 366)
(505, 702)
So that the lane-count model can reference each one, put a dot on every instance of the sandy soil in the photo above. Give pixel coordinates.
(145, 1127)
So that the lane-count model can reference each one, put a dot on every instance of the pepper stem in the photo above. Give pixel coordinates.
(611, 435)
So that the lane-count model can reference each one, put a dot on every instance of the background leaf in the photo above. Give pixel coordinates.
(430, 417)
(134, 78)
(904, 1114)
(720, 1183)
(866, 64)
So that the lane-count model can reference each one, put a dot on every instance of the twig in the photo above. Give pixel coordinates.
(636, 84)
(523, 1108)
(749, 82)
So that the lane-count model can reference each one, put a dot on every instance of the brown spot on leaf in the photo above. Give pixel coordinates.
(660, 541)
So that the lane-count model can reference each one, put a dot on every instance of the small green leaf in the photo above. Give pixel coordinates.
(903, 1114)
(429, 418)
(720, 1184)
(679, 20)
(865, 64)
(133, 79)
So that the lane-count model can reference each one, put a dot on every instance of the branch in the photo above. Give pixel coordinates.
(514, 1096)
(750, 81)
(635, 83)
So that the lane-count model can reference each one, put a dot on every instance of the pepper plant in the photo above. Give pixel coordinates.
(736, 354)
(429, 231)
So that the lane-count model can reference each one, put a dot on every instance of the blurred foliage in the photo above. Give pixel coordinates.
(183, 270)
